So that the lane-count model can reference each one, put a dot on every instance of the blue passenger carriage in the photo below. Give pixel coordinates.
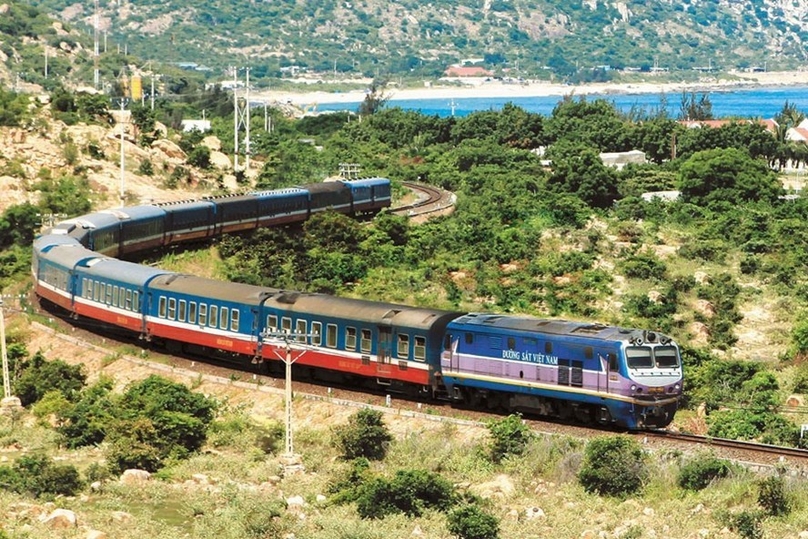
(235, 213)
(282, 206)
(329, 196)
(387, 344)
(203, 312)
(189, 220)
(55, 256)
(369, 195)
(103, 232)
(589, 372)
(112, 291)
(142, 228)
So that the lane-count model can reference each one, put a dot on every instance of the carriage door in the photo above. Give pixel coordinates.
(384, 352)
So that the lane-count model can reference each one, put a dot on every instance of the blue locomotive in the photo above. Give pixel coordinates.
(587, 372)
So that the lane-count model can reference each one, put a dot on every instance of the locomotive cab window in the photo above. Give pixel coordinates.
(447, 342)
(403, 349)
(419, 350)
(469, 338)
(161, 312)
(589, 353)
(612, 362)
(203, 314)
(666, 357)
(639, 357)
(350, 338)
(366, 340)
(234, 317)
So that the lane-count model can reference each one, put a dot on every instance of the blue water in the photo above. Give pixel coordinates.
(745, 103)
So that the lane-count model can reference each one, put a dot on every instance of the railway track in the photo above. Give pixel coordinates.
(430, 200)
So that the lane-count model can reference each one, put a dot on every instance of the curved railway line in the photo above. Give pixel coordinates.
(430, 200)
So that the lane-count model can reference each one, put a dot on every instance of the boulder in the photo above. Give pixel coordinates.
(60, 519)
(131, 477)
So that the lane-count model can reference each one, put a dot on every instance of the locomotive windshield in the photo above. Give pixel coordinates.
(644, 357)
(666, 357)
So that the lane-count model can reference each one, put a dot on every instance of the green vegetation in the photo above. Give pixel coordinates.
(613, 466)
(364, 436)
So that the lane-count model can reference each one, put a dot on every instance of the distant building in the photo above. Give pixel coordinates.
(665, 196)
(467, 71)
(619, 160)
(770, 125)
(195, 125)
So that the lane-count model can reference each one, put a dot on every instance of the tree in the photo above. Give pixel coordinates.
(409, 492)
(695, 108)
(375, 99)
(613, 466)
(40, 376)
(727, 175)
(365, 435)
(578, 170)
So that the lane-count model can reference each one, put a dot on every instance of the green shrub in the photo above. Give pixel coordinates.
(40, 376)
(409, 492)
(509, 436)
(365, 435)
(644, 266)
(613, 466)
(772, 496)
(701, 471)
(38, 476)
(471, 522)
(146, 168)
(746, 524)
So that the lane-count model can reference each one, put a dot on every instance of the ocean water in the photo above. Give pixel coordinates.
(744, 103)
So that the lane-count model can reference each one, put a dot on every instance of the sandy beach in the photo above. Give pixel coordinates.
(487, 88)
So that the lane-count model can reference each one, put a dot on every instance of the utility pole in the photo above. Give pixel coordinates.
(235, 119)
(123, 170)
(288, 338)
(9, 400)
(247, 123)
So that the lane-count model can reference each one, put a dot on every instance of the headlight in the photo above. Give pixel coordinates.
(633, 387)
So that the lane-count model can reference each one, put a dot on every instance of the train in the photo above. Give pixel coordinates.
(580, 371)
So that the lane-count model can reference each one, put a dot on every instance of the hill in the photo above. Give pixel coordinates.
(528, 38)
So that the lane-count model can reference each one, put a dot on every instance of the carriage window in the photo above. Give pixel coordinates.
(469, 338)
(350, 338)
(286, 325)
(128, 305)
(666, 357)
(97, 291)
(511, 343)
(109, 294)
(300, 327)
(317, 331)
(181, 313)
(115, 296)
(639, 357)
(203, 314)
(214, 316)
(192, 312)
(419, 351)
(331, 335)
(162, 310)
(85, 286)
(223, 317)
(172, 308)
(588, 352)
(366, 340)
(272, 322)
(403, 351)
(136, 301)
(548, 347)
(234, 316)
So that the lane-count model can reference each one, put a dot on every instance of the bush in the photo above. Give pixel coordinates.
(409, 492)
(746, 524)
(772, 496)
(38, 475)
(40, 376)
(509, 436)
(613, 466)
(470, 522)
(700, 472)
(365, 435)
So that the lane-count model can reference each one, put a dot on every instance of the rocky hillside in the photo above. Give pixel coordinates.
(379, 37)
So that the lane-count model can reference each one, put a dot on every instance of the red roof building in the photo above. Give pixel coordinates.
(470, 71)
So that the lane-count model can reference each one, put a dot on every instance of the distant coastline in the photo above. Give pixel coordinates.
(481, 88)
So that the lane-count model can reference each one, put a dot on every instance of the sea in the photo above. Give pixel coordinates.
(759, 102)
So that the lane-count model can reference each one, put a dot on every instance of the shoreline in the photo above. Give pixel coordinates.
(482, 88)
